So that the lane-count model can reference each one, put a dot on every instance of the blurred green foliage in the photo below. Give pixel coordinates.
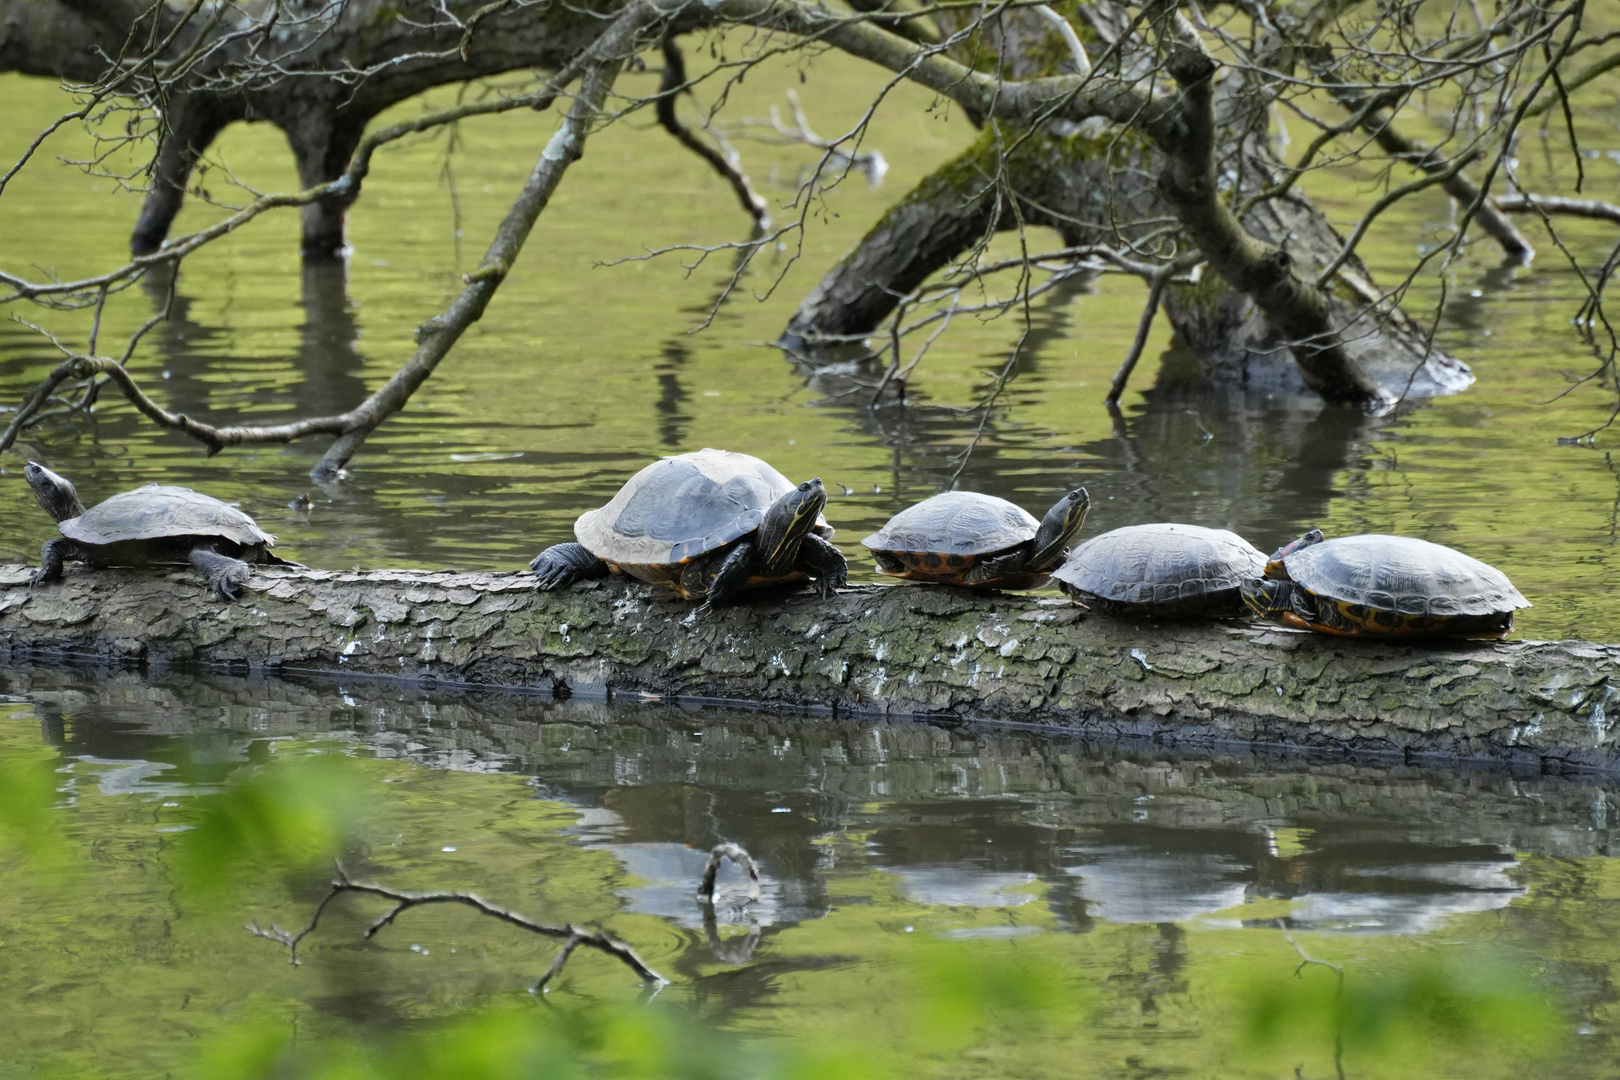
(1405, 1020)
(291, 816)
(960, 988)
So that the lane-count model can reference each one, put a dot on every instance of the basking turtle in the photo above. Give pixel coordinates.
(1383, 586)
(154, 524)
(980, 541)
(1162, 571)
(708, 525)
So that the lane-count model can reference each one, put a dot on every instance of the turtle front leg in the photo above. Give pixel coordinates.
(225, 574)
(51, 557)
(999, 567)
(564, 564)
(728, 578)
(825, 563)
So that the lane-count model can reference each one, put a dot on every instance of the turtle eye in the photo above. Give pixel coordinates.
(805, 486)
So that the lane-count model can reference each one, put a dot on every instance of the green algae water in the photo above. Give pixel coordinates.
(1144, 913)
(1135, 912)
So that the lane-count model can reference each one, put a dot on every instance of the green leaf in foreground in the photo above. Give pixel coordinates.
(1398, 1021)
(291, 816)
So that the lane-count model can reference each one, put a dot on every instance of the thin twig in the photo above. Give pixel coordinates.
(571, 936)
(674, 82)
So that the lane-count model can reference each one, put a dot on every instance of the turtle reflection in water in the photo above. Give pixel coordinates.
(979, 541)
(707, 524)
(1383, 586)
(154, 524)
(1162, 571)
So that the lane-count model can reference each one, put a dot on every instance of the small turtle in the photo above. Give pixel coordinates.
(1383, 586)
(154, 524)
(707, 524)
(1162, 571)
(980, 541)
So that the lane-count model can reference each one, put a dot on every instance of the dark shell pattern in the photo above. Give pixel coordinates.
(1161, 565)
(955, 523)
(1403, 575)
(681, 507)
(156, 511)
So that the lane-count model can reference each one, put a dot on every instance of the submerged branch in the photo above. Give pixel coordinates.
(711, 871)
(571, 936)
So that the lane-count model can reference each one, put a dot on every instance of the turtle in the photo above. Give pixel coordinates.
(706, 524)
(1372, 585)
(154, 524)
(978, 541)
(1163, 570)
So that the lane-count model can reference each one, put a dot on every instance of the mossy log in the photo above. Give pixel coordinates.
(910, 650)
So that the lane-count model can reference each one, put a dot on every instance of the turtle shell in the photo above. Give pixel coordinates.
(681, 507)
(1403, 575)
(940, 538)
(157, 511)
(963, 523)
(1162, 569)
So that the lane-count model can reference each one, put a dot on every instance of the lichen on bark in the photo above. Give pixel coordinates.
(897, 650)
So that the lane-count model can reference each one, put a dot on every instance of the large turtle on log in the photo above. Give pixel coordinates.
(978, 541)
(706, 524)
(1371, 585)
(155, 524)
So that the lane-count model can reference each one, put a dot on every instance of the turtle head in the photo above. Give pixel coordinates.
(787, 522)
(1058, 530)
(1274, 565)
(1267, 599)
(55, 494)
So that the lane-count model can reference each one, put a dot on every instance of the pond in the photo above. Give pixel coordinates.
(581, 372)
(1155, 883)
(1159, 887)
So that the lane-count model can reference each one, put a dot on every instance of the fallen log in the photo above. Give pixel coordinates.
(935, 652)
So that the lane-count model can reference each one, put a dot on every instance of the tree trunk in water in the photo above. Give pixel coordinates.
(1103, 183)
(889, 649)
(323, 115)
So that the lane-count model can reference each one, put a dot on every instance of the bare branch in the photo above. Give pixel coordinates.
(1555, 204)
(673, 83)
(1077, 51)
(711, 870)
(571, 936)
(1143, 325)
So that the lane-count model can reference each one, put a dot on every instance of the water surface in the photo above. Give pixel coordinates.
(1157, 881)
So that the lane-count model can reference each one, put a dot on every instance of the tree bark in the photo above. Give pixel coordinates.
(319, 78)
(1256, 317)
(925, 651)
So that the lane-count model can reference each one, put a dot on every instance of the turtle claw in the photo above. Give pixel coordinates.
(225, 583)
(223, 573)
(564, 564)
